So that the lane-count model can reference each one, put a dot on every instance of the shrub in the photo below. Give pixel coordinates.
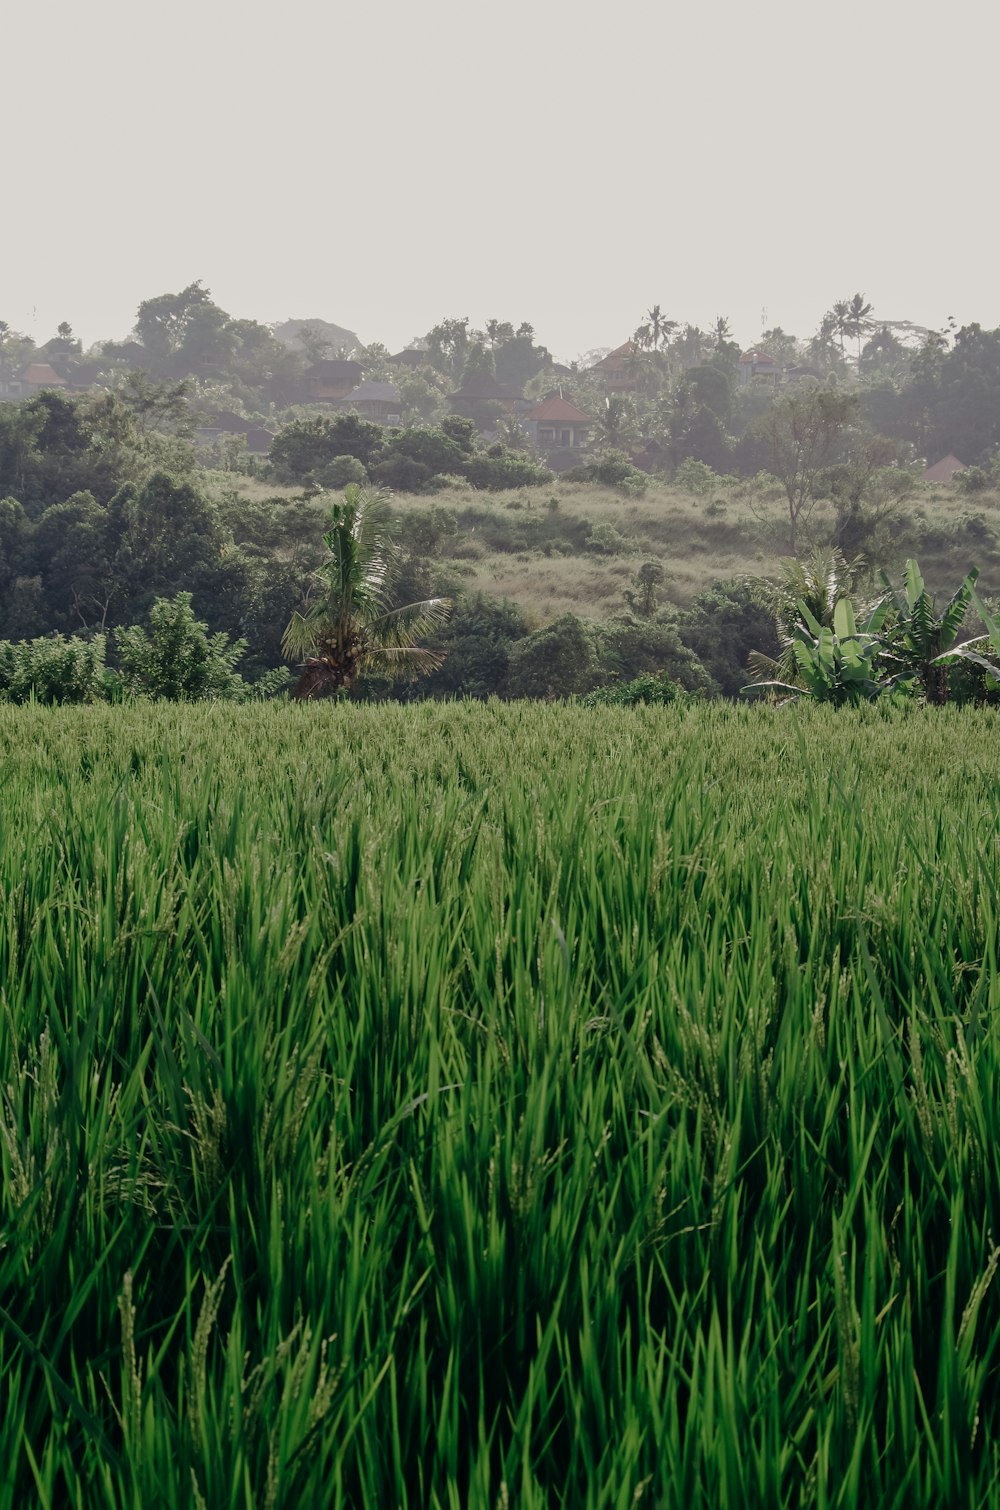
(336, 474)
(605, 540)
(974, 480)
(498, 468)
(650, 688)
(695, 477)
(558, 661)
(176, 658)
(613, 470)
(53, 670)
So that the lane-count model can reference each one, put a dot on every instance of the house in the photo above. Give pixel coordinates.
(411, 357)
(617, 370)
(556, 424)
(256, 438)
(39, 376)
(483, 388)
(329, 381)
(481, 398)
(84, 376)
(380, 402)
(944, 470)
(758, 366)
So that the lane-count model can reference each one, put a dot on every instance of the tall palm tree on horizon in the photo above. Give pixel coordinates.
(349, 626)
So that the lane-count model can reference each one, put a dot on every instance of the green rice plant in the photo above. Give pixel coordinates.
(499, 1105)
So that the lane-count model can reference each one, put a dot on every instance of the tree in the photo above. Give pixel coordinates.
(615, 423)
(176, 658)
(856, 322)
(799, 434)
(722, 625)
(659, 328)
(558, 661)
(349, 626)
(447, 345)
(839, 317)
(306, 446)
(160, 323)
(477, 640)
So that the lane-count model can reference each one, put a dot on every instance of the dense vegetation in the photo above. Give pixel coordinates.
(133, 485)
(495, 1105)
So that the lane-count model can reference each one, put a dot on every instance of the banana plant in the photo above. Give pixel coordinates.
(971, 651)
(833, 665)
(918, 641)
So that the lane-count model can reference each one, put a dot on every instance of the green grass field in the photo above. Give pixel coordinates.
(480, 1106)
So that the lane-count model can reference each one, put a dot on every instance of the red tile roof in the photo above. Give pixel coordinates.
(628, 349)
(558, 411)
(43, 376)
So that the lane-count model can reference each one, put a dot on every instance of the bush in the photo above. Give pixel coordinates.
(53, 670)
(403, 474)
(722, 626)
(176, 658)
(477, 641)
(605, 540)
(696, 477)
(613, 470)
(629, 647)
(973, 480)
(558, 661)
(336, 474)
(651, 688)
(498, 468)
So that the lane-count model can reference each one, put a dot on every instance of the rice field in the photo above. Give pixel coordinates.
(510, 1105)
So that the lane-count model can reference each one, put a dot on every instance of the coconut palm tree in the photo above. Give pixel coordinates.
(349, 626)
(659, 328)
(856, 322)
(615, 423)
(841, 313)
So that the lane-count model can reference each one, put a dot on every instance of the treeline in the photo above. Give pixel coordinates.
(678, 392)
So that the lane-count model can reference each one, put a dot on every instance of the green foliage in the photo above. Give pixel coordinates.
(605, 540)
(351, 623)
(303, 449)
(649, 689)
(177, 659)
(917, 637)
(53, 670)
(613, 469)
(477, 643)
(552, 1107)
(498, 468)
(336, 474)
(558, 661)
(696, 477)
(723, 625)
(974, 480)
(630, 646)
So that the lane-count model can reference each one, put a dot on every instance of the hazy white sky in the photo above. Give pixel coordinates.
(385, 164)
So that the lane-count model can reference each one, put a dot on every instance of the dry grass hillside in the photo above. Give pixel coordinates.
(574, 547)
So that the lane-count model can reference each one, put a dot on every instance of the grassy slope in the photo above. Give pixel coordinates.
(511, 545)
(472, 1105)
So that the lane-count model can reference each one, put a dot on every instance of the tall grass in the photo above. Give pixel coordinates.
(476, 1106)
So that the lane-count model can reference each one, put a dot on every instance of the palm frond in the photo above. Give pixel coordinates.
(401, 626)
(405, 660)
(299, 638)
